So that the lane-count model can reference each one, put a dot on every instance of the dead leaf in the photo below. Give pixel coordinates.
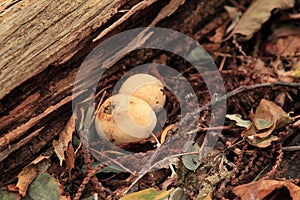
(261, 142)
(12, 188)
(271, 112)
(235, 15)
(267, 118)
(25, 177)
(261, 189)
(284, 40)
(217, 37)
(208, 197)
(65, 137)
(70, 159)
(28, 173)
(165, 132)
(257, 14)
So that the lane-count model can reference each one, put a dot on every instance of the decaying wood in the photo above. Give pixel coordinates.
(42, 44)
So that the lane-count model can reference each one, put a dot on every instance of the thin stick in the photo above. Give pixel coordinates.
(247, 88)
(296, 117)
(222, 63)
(291, 148)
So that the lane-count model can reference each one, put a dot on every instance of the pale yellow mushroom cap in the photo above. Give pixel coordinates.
(125, 119)
(146, 87)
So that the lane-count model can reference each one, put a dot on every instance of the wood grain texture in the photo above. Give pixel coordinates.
(46, 32)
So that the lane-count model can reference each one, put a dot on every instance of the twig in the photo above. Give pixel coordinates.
(296, 117)
(246, 88)
(291, 148)
(217, 128)
(222, 63)
(229, 55)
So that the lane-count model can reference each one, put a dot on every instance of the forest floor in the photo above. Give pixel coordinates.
(257, 153)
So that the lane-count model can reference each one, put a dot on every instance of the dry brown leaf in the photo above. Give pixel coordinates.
(65, 137)
(208, 197)
(219, 34)
(12, 188)
(282, 118)
(267, 118)
(284, 40)
(70, 159)
(25, 177)
(257, 14)
(261, 142)
(165, 132)
(260, 189)
(235, 15)
(273, 113)
(28, 173)
(285, 46)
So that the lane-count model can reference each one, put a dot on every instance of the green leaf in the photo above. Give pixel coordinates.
(191, 162)
(239, 121)
(45, 187)
(6, 195)
(148, 194)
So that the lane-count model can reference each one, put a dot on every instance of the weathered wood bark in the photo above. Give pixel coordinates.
(42, 44)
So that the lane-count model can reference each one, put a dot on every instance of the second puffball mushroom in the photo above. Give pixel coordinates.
(146, 87)
(125, 119)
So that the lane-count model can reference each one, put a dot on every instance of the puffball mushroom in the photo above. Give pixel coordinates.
(146, 87)
(125, 119)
